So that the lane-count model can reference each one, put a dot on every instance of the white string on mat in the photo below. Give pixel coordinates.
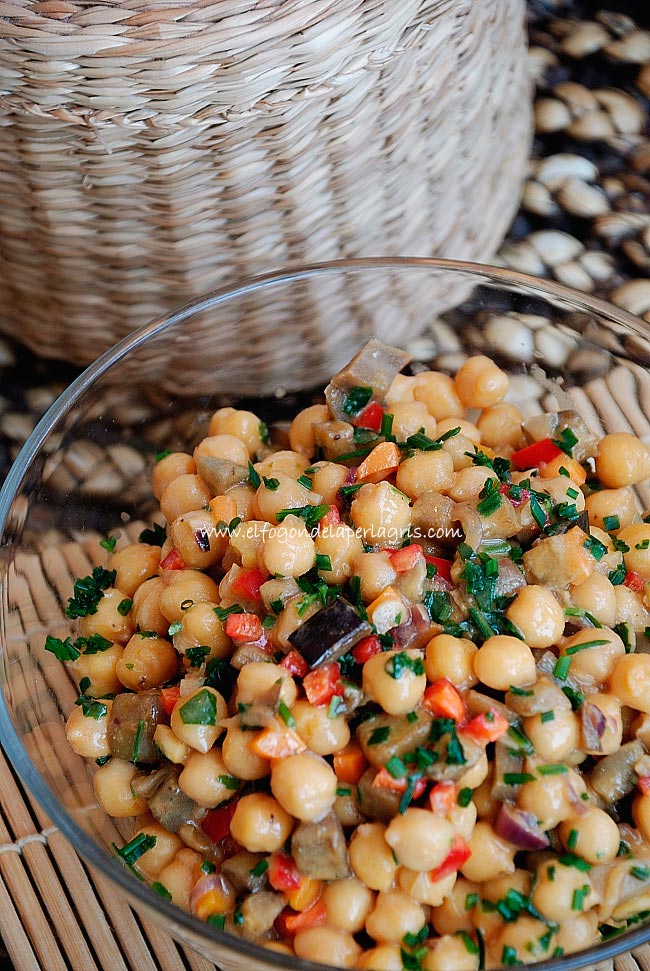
(17, 846)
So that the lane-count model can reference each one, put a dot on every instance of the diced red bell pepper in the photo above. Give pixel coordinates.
(247, 584)
(539, 453)
(458, 855)
(643, 782)
(216, 825)
(634, 581)
(486, 727)
(405, 558)
(443, 567)
(444, 797)
(442, 700)
(173, 561)
(331, 518)
(371, 417)
(295, 664)
(169, 697)
(384, 780)
(366, 648)
(323, 683)
(523, 495)
(244, 628)
(283, 872)
(289, 922)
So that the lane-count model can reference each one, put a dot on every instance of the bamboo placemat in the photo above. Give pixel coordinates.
(584, 220)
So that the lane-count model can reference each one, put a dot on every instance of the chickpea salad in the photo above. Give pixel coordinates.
(377, 685)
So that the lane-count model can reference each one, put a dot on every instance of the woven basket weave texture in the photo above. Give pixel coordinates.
(151, 152)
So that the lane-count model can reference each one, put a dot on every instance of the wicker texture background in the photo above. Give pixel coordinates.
(149, 153)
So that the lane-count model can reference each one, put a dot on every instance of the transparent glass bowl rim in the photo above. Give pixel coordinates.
(513, 280)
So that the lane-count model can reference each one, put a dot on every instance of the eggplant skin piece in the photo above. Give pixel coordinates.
(134, 719)
(170, 806)
(320, 849)
(329, 633)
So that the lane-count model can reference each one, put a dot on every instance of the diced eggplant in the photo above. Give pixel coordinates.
(170, 806)
(134, 719)
(559, 561)
(386, 736)
(509, 578)
(220, 474)
(375, 366)
(416, 632)
(446, 769)
(320, 849)
(480, 704)
(239, 871)
(614, 776)
(506, 761)
(329, 633)
(259, 715)
(375, 802)
(471, 523)
(502, 523)
(145, 784)
(551, 424)
(334, 438)
(194, 837)
(431, 518)
(544, 695)
(258, 911)
(247, 653)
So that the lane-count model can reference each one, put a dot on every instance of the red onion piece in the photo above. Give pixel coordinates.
(594, 726)
(509, 578)
(519, 828)
(415, 632)
(213, 881)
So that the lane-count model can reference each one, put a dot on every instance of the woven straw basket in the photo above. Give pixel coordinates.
(151, 152)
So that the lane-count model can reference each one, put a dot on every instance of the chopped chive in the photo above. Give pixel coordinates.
(159, 456)
(108, 544)
(572, 840)
(323, 562)
(517, 778)
(640, 872)
(611, 523)
(343, 790)
(137, 741)
(379, 735)
(396, 767)
(260, 868)
(576, 648)
(509, 956)
(285, 715)
(386, 425)
(254, 476)
(229, 782)
(597, 549)
(305, 481)
(547, 716)
(356, 400)
(570, 859)
(161, 890)
(520, 692)
(271, 483)
(208, 867)
(551, 769)
(561, 669)
(471, 900)
(464, 797)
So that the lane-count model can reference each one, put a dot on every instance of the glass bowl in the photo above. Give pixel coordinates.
(268, 344)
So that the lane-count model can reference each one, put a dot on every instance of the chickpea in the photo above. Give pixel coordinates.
(593, 665)
(554, 893)
(458, 446)
(239, 758)
(292, 463)
(202, 628)
(198, 540)
(597, 596)
(328, 479)
(376, 573)
(468, 483)
(577, 933)
(409, 417)
(258, 680)
(170, 746)
(301, 430)
(88, 736)
(133, 565)
(246, 542)
(183, 587)
(491, 855)
(622, 460)
(384, 957)
(304, 785)
(521, 935)
(288, 549)
(339, 946)
(425, 471)
(538, 615)
(168, 469)
(419, 839)
(342, 545)
(547, 797)
(394, 915)
(450, 952)
(439, 393)
(630, 681)
(467, 428)
(594, 836)
(382, 514)
(371, 858)
(107, 619)
(322, 734)
(289, 494)
(260, 823)
(392, 679)
(112, 785)
(101, 670)
(402, 389)
(145, 612)
(195, 718)
(347, 811)
(617, 504)
(185, 493)
(348, 903)
(242, 424)
(475, 776)
(630, 608)
(554, 739)
(563, 489)
(637, 558)
(503, 661)
(205, 779)
(227, 447)
(161, 853)
(179, 876)
(146, 662)
(243, 495)
(422, 888)
(500, 426)
(453, 915)
(480, 383)
(452, 658)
